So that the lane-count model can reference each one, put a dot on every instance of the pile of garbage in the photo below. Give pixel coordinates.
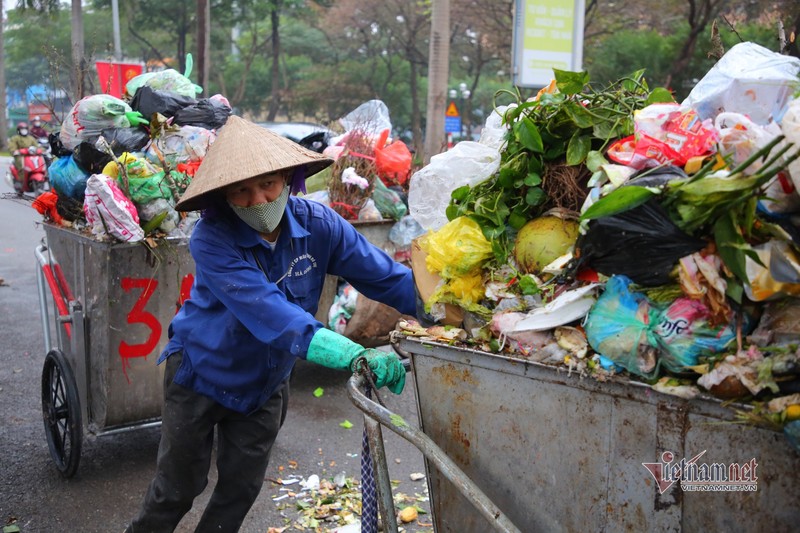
(121, 164)
(369, 175)
(615, 231)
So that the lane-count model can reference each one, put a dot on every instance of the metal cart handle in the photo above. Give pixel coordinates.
(429, 449)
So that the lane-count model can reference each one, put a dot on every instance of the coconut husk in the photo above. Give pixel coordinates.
(565, 185)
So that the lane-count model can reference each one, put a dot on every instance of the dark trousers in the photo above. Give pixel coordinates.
(244, 443)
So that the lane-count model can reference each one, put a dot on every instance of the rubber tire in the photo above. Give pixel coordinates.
(61, 412)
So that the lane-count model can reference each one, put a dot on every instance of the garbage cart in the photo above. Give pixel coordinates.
(549, 450)
(111, 307)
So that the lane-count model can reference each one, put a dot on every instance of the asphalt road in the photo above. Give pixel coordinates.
(115, 470)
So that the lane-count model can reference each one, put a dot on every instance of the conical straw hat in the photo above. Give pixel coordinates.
(241, 151)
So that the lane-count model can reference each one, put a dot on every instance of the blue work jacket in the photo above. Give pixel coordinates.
(242, 327)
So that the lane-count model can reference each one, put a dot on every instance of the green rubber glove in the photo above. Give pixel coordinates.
(332, 350)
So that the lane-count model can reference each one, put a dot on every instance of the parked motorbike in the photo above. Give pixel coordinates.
(33, 178)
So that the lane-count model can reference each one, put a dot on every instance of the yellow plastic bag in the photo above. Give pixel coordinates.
(458, 248)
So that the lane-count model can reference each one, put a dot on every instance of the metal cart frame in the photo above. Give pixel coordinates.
(112, 303)
(518, 445)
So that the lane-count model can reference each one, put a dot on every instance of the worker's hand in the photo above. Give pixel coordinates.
(15, 152)
(328, 348)
(389, 371)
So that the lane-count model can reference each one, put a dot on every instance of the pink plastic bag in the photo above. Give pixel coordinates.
(109, 211)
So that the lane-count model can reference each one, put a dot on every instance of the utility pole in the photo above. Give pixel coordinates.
(3, 107)
(438, 73)
(203, 43)
(115, 22)
(78, 64)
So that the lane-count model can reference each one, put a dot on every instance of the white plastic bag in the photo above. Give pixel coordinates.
(369, 213)
(739, 138)
(90, 115)
(748, 79)
(468, 163)
(494, 131)
(791, 129)
(183, 145)
(109, 211)
(371, 117)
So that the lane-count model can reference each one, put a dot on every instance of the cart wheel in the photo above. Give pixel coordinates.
(61, 412)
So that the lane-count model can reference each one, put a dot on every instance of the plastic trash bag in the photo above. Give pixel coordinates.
(90, 159)
(790, 126)
(641, 336)
(155, 208)
(371, 118)
(641, 243)
(388, 201)
(67, 178)
(46, 204)
(665, 134)
(457, 249)
(405, 231)
(125, 139)
(749, 79)
(147, 101)
(90, 115)
(342, 309)
(145, 181)
(494, 133)
(369, 213)
(169, 80)
(739, 138)
(207, 113)
(180, 146)
(57, 148)
(778, 277)
(109, 211)
(468, 163)
(393, 161)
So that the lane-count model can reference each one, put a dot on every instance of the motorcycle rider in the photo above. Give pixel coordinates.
(37, 130)
(22, 140)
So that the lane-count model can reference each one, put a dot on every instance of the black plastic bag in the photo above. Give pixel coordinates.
(126, 139)
(57, 148)
(206, 113)
(641, 243)
(148, 101)
(90, 159)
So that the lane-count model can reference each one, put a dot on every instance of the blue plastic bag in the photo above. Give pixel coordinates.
(641, 336)
(67, 178)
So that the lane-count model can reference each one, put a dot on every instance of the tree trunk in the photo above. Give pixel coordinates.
(203, 42)
(3, 121)
(275, 74)
(78, 62)
(416, 116)
(438, 72)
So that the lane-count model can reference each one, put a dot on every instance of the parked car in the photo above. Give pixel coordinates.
(307, 134)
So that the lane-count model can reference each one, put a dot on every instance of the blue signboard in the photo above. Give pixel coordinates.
(452, 124)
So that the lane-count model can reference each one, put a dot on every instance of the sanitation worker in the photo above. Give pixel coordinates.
(261, 256)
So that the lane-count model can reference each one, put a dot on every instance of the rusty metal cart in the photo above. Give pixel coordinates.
(515, 445)
(112, 304)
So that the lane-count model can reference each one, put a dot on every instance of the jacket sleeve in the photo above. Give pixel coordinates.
(369, 269)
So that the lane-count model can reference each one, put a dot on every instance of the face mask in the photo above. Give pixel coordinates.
(265, 217)
(23, 132)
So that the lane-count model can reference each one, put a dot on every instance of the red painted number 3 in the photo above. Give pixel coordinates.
(138, 315)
